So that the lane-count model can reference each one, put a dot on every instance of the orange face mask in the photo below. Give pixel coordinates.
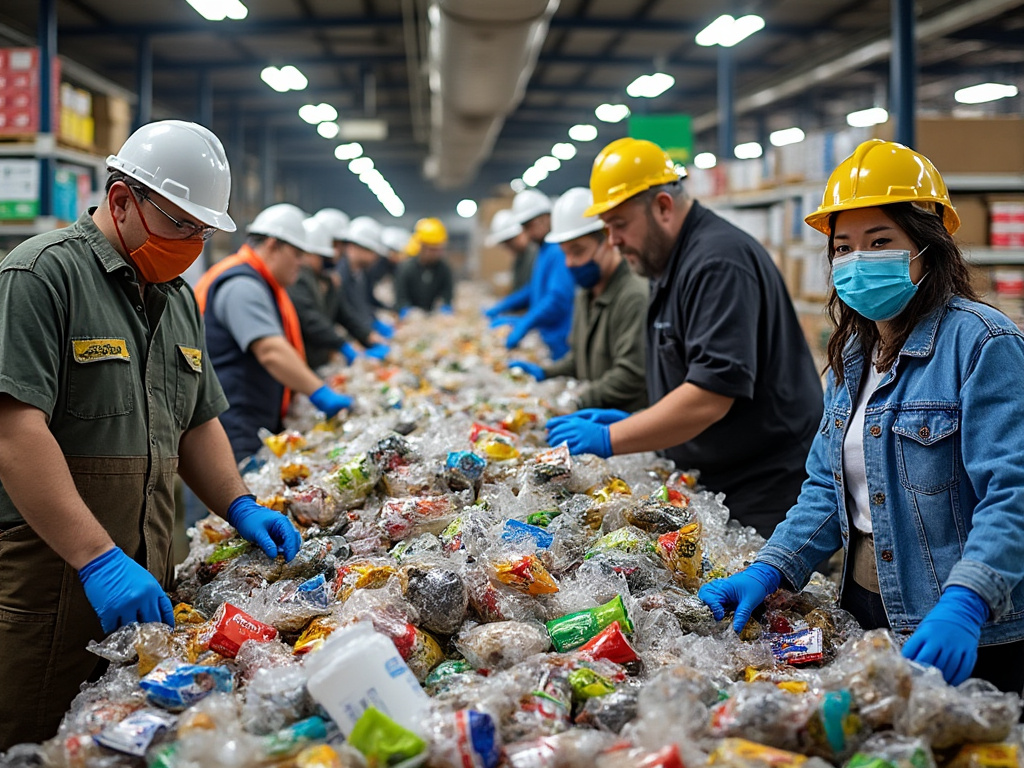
(160, 259)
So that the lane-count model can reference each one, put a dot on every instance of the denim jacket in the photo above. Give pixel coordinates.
(944, 454)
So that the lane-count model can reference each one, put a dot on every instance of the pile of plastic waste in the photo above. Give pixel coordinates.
(467, 596)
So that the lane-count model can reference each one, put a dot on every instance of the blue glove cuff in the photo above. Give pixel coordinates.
(768, 575)
(317, 399)
(235, 505)
(970, 601)
(98, 562)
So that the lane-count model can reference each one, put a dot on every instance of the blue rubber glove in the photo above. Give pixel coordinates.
(404, 312)
(378, 351)
(269, 530)
(383, 328)
(947, 638)
(744, 590)
(122, 591)
(446, 309)
(531, 368)
(330, 402)
(596, 415)
(582, 437)
(500, 320)
(348, 352)
(519, 331)
(493, 312)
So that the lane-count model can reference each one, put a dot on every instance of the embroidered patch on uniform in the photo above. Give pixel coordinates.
(95, 350)
(194, 358)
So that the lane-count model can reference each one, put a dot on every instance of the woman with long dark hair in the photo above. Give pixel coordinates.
(917, 470)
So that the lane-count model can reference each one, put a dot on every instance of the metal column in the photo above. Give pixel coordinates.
(204, 115)
(726, 103)
(47, 36)
(903, 71)
(144, 81)
(268, 165)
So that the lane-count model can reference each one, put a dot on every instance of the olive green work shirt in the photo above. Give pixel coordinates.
(119, 378)
(606, 344)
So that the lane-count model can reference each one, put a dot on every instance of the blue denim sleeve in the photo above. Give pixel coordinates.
(992, 444)
(811, 531)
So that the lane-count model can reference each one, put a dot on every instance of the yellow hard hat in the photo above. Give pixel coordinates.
(412, 248)
(879, 173)
(625, 168)
(430, 232)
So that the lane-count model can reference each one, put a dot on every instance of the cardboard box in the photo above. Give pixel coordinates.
(113, 116)
(19, 92)
(973, 213)
(968, 145)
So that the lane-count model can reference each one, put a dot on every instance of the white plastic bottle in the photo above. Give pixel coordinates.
(356, 668)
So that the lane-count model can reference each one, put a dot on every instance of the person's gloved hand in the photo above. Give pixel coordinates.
(446, 309)
(596, 415)
(531, 368)
(404, 312)
(744, 590)
(582, 437)
(348, 352)
(500, 320)
(947, 638)
(494, 311)
(378, 351)
(330, 402)
(519, 331)
(383, 328)
(122, 591)
(269, 530)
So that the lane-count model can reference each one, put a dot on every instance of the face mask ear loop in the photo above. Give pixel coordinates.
(926, 273)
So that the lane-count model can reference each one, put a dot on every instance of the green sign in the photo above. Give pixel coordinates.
(673, 133)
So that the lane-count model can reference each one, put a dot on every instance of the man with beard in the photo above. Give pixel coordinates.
(732, 384)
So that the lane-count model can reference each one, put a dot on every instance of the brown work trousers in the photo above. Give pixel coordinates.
(46, 621)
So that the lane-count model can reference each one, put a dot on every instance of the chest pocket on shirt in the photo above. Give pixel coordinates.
(188, 369)
(927, 448)
(99, 378)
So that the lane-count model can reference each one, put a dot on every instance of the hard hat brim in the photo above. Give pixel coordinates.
(819, 220)
(572, 234)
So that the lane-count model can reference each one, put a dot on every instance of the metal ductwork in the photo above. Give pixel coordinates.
(481, 56)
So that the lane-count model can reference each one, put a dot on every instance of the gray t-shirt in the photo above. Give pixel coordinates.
(245, 307)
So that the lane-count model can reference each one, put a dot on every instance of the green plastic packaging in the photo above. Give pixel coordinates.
(574, 629)
(382, 741)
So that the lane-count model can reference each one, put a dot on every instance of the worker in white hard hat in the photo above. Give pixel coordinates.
(320, 336)
(363, 247)
(106, 394)
(609, 317)
(506, 231)
(551, 286)
(253, 331)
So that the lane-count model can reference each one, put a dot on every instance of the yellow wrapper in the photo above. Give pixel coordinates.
(731, 751)
(496, 447)
(681, 552)
(986, 756)
(314, 635)
(527, 575)
(186, 614)
(293, 474)
(281, 443)
(614, 487)
(364, 576)
(318, 756)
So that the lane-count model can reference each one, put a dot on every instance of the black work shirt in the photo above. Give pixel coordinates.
(720, 318)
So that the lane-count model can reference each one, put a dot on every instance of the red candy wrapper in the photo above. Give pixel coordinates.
(801, 647)
(611, 644)
(233, 626)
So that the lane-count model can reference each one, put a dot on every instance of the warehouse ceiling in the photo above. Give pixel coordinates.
(367, 58)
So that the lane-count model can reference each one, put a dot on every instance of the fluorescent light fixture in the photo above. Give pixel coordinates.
(287, 78)
(979, 94)
(518, 185)
(727, 31)
(611, 113)
(583, 132)
(370, 129)
(371, 177)
(534, 176)
(327, 130)
(218, 10)
(748, 150)
(466, 209)
(564, 150)
(548, 163)
(650, 86)
(394, 206)
(318, 113)
(867, 117)
(786, 136)
(348, 151)
(705, 160)
(360, 165)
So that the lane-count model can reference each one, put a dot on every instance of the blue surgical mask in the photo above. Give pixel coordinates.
(875, 284)
(586, 275)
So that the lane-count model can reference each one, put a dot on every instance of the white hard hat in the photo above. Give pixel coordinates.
(336, 221)
(503, 228)
(183, 162)
(318, 237)
(529, 204)
(366, 232)
(567, 219)
(395, 238)
(283, 221)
